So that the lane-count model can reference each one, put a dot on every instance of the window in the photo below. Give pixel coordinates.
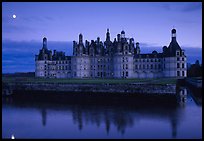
(177, 58)
(126, 66)
(177, 53)
(159, 66)
(178, 73)
(126, 73)
(182, 65)
(178, 65)
(182, 59)
(151, 66)
(136, 67)
(183, 74)
(147, 66)
(143, 66)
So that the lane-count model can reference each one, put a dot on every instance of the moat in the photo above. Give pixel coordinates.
(26, 118)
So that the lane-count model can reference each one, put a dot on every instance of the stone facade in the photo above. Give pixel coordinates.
(118, 59)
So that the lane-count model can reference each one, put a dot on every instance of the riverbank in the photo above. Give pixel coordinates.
(120, 86)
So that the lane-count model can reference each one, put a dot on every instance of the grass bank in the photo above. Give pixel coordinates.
(88, 80)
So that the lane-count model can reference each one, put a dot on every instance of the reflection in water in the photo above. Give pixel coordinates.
(44, 116)
(182, 96)
(110, 116)
(116, 117)
(119, 118)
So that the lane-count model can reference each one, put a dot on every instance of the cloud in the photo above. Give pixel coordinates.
(192, 7)
(17, 28)
(38, 19)
(20, 56)
(182, 6)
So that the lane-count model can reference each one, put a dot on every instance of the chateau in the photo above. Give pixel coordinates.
(120, 58)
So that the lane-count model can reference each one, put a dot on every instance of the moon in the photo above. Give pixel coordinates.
(14, 16)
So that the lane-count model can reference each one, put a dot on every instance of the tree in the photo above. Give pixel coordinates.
(195, 70)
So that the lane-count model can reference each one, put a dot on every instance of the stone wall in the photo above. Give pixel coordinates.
(154, 89)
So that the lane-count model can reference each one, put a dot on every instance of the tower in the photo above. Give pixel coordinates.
(81, 46)
(122, 34)
(173, 33)
(80, 38)
(45, 43)
(108, 35)
(137, 50)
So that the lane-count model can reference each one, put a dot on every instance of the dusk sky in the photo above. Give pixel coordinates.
(149, 23)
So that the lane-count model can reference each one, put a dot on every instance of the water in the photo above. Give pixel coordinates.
(27, 119)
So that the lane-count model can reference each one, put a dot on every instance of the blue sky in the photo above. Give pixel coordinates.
(149, 23)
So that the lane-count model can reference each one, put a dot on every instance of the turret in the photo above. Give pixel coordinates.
(81, 46)
(137, 49)
(75, 48)
(80, 38)
(132, 45)
(118, 38)
(173, 34)
(45, 43)
(107, 35)
(122, 34)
